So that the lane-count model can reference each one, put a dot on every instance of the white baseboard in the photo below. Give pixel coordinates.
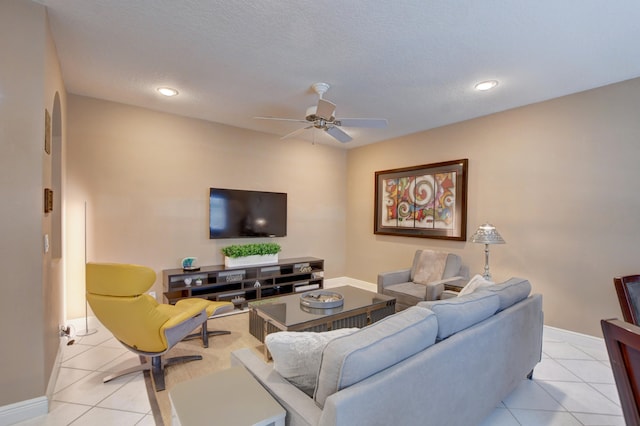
(80, 324)
(55, 371)
(570, 336)
(23, 410)
(337, 282)
(574, 337)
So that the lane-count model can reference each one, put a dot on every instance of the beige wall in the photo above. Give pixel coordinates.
(560, 181)
(53, 177)
(145, 177)
(550, 176)
(29, 79)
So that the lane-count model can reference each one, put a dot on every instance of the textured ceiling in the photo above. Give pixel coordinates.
(413, 62)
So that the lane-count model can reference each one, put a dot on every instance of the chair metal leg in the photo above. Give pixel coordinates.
(181, 359)
(136, 369)
(157, 371)
(157, 366)
(204, 334)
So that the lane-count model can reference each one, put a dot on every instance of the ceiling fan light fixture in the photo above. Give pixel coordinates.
(320, 88)
(311, 112)
(167, 91)
(322, 117)
(483, 86)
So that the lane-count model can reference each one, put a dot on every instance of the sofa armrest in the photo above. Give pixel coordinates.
(434, 289)
(301, 409)
(386, 279)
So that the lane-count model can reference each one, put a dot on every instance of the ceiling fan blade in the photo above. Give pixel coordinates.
(377, 123)
(325, 109)
(296, 132)
(338, 134)
(281, 119)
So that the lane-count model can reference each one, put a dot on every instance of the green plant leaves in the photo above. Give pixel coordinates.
(243, 250)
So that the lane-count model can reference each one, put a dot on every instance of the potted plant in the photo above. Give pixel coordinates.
(250, 254)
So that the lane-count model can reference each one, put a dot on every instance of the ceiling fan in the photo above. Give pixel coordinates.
(321, 116)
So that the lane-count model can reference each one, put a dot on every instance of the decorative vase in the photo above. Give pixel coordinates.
(265, 259)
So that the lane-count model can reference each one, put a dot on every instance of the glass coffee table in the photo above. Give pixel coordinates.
(285, 313)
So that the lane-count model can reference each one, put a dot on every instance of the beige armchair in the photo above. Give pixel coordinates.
(426, 278)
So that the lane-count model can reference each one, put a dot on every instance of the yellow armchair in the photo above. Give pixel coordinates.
(116, 294)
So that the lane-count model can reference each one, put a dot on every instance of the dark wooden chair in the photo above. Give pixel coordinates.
(628, 290)
(623, 345)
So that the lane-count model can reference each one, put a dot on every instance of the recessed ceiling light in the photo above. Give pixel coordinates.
(167, 91)
(486, 85)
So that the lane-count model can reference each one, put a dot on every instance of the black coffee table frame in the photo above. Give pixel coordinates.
(361, 308)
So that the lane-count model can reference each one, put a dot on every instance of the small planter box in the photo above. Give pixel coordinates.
(265, 259)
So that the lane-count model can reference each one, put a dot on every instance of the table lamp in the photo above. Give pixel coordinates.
(487, 234)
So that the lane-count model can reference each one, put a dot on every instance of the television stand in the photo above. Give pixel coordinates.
(244, 284)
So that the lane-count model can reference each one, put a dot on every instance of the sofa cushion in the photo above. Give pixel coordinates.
(474, 284)
(407, 294)
(459, 313)
(350, 359)
(428, 266)
(511, 291)
(296, 355)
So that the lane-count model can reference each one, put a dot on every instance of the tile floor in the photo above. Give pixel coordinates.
(81, 398)
(573, 385)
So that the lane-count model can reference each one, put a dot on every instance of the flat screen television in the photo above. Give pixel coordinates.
(235, 213)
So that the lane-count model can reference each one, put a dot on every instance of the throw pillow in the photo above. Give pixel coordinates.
(429, 266)
(478, 281)
(296, 354)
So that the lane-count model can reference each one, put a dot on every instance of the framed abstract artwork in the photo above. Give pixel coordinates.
(427, 201)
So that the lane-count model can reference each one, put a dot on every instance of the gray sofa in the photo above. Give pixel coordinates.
(447, 362)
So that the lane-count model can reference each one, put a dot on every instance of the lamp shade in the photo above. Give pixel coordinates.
(487, 234)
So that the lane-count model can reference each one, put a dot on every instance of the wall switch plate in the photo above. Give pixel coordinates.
(46, 243)
(152, 294)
